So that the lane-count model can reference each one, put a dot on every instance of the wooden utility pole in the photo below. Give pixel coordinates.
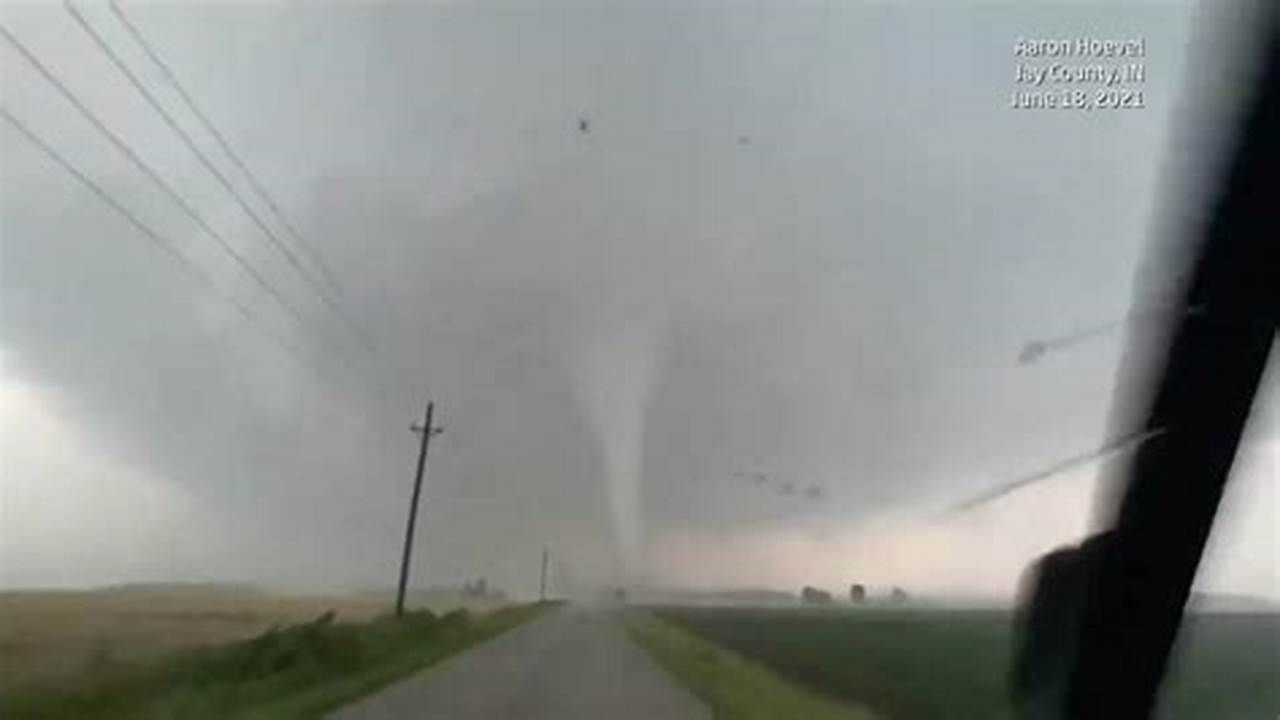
(542, 582)
(426, 430)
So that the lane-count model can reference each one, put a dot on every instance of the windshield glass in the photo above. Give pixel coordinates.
(683, 306)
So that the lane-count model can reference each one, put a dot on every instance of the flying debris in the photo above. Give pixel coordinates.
(744, 140)
(783, 488)
(1032, 352)
(758, 478)
(584, 125)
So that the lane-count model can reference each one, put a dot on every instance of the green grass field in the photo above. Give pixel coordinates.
(951, 665)
(299, 671)
(734, 687)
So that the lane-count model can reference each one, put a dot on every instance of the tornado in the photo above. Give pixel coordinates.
(614, 385)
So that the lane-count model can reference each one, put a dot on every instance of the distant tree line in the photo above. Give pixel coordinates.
(810, 595)
(813, 596)
(479, 588)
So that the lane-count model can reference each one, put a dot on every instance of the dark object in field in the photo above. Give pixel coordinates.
(813, 596)
(584, 125)
(1133, 590)
(857, 593)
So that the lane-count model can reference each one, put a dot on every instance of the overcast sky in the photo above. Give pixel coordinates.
(802, 241)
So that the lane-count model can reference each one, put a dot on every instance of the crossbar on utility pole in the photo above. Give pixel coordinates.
(427, 430)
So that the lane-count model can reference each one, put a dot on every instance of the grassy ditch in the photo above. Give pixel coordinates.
(734, 687)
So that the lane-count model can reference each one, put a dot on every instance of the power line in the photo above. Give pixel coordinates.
(169, 120)
(316, 258)
(168, 246)
(150, 172)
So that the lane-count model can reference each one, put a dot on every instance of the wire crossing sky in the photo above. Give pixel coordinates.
(193, 270)
(231, 154)
(169, 120)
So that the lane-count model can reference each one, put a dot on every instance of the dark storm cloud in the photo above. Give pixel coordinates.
(839, 301)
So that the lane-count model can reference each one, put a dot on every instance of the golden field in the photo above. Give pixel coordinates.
(46, 634)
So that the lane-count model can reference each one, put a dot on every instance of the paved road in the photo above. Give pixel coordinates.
(566, 665)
